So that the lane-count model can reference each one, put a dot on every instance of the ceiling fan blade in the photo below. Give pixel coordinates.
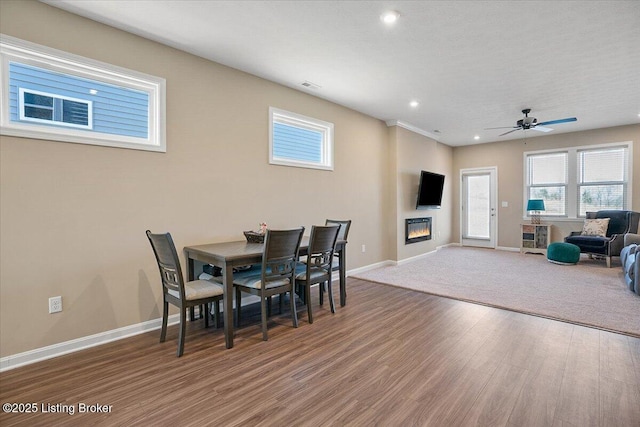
(509, 132)
(553, 122)
(504, 127)
(541, 129)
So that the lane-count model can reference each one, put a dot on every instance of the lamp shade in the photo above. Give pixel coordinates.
(535, 205)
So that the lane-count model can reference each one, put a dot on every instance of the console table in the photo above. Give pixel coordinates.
(534, 238)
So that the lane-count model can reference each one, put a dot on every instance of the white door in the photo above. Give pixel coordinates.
(478, 207)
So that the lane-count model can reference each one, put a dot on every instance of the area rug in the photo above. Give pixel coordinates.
(588, 293)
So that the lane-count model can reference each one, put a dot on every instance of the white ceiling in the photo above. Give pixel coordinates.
(470, 64)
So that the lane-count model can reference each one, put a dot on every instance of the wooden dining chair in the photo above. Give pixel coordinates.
(318, 266)
(276, 276)
(343, 234)
(175, 291)
(344, 227)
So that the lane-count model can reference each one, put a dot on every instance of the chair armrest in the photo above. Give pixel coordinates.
(630, 238)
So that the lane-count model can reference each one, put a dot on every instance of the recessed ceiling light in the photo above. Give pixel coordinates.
(477, 137)
(414, 104)
(390, 17)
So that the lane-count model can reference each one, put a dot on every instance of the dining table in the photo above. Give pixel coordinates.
(230, 255)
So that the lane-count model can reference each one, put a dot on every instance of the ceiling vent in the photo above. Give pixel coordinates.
(310, 85)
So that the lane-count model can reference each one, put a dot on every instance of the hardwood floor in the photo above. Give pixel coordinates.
(391, 357)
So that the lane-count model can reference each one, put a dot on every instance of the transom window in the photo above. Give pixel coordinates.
(578, 180)
(296, 140)
(53, 95)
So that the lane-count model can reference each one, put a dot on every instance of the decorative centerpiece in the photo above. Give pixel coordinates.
(256, 236)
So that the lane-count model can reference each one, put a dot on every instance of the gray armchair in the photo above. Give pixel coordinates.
(620, 223)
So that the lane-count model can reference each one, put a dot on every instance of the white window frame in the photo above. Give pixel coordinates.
(564, 184)
(573, 188)
(298, 120)
(16, 50)
(23, 117)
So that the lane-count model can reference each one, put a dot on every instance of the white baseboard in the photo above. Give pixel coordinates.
(55, 350)
(449, 245)
(370, 267)
(507, 248)
(413, 258)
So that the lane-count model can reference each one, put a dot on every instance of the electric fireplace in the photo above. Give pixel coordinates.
(417, 230)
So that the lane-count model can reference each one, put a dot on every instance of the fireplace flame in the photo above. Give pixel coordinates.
(421, 232)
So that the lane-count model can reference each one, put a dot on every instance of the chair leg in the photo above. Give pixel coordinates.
(294, 312)
(183, 330)
(307, 293)
(268, 306)
(608, 262)
(321, 292)
(165, 314)
(331, 303)
(263, 315)
(216, 311)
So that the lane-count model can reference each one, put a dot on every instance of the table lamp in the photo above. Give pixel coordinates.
(535, 206)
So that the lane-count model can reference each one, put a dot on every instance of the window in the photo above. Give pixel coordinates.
(602, 179)
(578, 180)
(296, 140)
(547, 180)
(53, 95)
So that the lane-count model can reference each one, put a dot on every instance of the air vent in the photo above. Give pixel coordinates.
(310, 85)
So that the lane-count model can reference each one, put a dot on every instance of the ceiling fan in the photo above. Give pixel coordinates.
(532, 123)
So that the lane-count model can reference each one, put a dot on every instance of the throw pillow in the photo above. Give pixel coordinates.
(595, 227)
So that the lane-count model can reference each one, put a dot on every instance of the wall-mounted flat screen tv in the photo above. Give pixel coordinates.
(430, 190)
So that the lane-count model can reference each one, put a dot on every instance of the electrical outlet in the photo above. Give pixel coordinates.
(55, 304)
(364, 249)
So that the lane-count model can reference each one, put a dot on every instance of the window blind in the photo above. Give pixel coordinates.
(547, 180)
(602, 179)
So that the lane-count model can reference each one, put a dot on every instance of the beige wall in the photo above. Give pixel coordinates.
(413, 153)
(73, 216)
(508, 157)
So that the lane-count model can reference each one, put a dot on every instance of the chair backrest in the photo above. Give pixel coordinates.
(322, 244)
(168, 264)
(343, 233)
(620, 222)
(280, 254)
